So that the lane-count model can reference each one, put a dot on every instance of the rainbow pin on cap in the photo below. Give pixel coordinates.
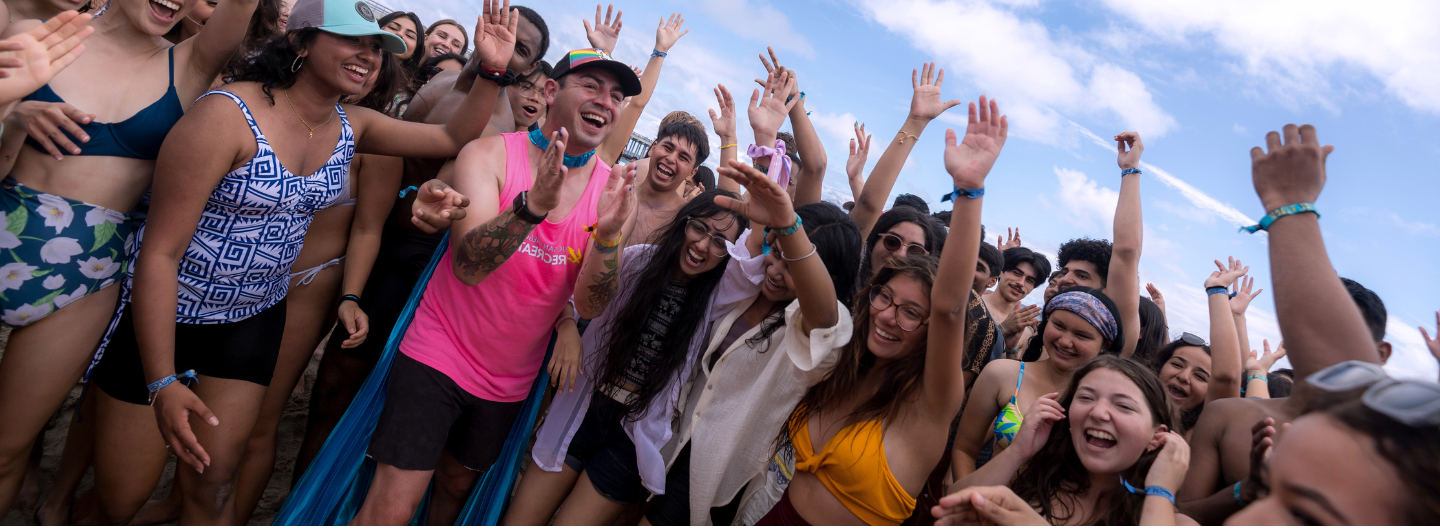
(593, 58)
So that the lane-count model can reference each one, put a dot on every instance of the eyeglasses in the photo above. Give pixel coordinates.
(1192, 339)
(525, 87)
(893, 243)
(698, 230)
(909, 317)
(1414, 403)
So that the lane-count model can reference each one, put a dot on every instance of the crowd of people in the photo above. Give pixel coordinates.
(720, 347)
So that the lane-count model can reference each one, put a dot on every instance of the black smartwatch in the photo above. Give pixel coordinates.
(521, 206)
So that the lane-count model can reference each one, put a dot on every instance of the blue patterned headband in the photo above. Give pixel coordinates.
(1088, 307)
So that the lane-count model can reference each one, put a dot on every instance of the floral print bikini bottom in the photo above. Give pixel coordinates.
(41, 271)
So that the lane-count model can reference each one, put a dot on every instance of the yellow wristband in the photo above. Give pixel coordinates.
(599, 242)
(729, 146)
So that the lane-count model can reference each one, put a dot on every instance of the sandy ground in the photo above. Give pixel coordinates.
(292, 430)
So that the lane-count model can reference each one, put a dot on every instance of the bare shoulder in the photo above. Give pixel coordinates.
(1001, 369)
(482, 158)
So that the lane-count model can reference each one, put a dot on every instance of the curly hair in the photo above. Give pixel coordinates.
(1054, 478)
(1093, 251)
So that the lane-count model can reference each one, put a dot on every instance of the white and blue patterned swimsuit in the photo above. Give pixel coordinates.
(238, 262)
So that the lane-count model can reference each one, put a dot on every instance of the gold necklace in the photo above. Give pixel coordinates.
(302, 120)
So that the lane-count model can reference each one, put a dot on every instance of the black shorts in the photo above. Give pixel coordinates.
(673, 508)
(402, 259)
(426, 412)
(603, 450)
(243, 351)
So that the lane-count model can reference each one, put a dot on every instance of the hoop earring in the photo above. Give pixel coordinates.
(296, 64)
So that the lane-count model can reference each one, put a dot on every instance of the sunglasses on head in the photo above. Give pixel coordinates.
(1414, 403)
(1192, 339)
(894, 243)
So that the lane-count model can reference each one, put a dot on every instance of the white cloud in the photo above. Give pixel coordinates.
(1300, 51)
(1240, 129)
(1084, 202)
(1016, 60)
(757, 20)
(839, 128)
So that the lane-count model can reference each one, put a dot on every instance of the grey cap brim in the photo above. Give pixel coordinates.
(389, 41)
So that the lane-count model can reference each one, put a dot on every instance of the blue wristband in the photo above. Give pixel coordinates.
(165, 381)
(1254, 377)
(790, 229)
(407, 191)
(1239, 501)
(1131, 171)
(1151, 490)
(1217, 290)
(1270, 218)
(968, 194)
(658, 53)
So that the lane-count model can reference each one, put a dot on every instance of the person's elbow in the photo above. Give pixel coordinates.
(1125, 250)
(586, 313)
(470, 280)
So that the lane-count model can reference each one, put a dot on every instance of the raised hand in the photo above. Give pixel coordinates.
(925, 104)
(985, 506)
(1170, 465)
(772, 66)
(1129, 146)
(970, 160)
(1156, 297)
(604, 34)
(766, 203)
(47, 123)
(1226, 275)
(173, 407)
(356, 323)
(616, 203)
(1290, 172)
(859, 151)
(1012, 239)
(1433, 343)
(666, 34)
(495, 34)
(724, 123)
(1262, 365)
(1243, 293)
(437, 205)
(1021, 318)
(544, 194)
(768, 113)
(1035, 429)
(29, 60)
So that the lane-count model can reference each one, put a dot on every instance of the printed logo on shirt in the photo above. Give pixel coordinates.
(574, 255)
(547, 253)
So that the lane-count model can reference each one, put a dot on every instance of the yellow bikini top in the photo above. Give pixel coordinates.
(852, 466)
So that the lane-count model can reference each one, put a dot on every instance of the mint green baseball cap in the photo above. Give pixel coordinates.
(354, 18)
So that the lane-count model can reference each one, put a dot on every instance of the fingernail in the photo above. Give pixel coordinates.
(214, 422)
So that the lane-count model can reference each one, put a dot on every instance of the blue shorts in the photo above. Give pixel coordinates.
(54, 251)
(602, 449)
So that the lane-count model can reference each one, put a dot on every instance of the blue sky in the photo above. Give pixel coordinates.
(1201, 82)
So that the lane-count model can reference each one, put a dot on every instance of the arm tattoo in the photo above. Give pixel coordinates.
(605, 281)
(486, 247)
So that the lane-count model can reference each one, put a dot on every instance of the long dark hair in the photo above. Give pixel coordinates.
(1055, 477)
(411, 65)
(624, 333)
(934, 235)
(264, 25)
(1188, 417)
(901, 378)
(271, 67)
(1154, 332)
(1032, 352)
(388, 82)
(837, 243)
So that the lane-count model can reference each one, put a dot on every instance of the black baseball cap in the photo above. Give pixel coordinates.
(595, 58)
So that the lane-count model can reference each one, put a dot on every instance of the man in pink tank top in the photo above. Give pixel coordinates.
(545, 224)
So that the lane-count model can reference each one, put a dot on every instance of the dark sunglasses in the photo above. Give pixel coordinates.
(1192, 339)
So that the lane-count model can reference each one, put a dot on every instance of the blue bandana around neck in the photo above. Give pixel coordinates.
(538, 138)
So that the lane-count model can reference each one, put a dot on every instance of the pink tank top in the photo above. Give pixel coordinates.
(491, 338)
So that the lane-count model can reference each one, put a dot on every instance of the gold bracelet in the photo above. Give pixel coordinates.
(906, 135)
(728, 146)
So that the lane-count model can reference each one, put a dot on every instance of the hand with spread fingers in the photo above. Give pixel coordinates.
(970, 160)
(768, 108)
(1021, 318)
(724, 122)
(437, 205)
(668, 32)
(766, 203)
(31, 59)
(1226, 275)
(772, 66)
(495, 35)
(1290, 171)
(616, 203)
(1011, 239)
(986, 506)
(606, 32)
(925, 103)
(1261, 364)
(544, 194)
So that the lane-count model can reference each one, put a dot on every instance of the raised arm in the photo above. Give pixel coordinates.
(600, 268)
(925, 105)
(1123, 283)
(495, 44)
(724, 125)
(968, 162)
(1242, 292)
(1259, 387)
(768, 204)
(212, 47)
(855, 165)
(1316, 315)
(768, 109)
(1225, 361)
(665, 37)
(811, 177)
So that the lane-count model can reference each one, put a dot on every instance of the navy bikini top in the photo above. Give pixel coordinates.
(139, 136)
